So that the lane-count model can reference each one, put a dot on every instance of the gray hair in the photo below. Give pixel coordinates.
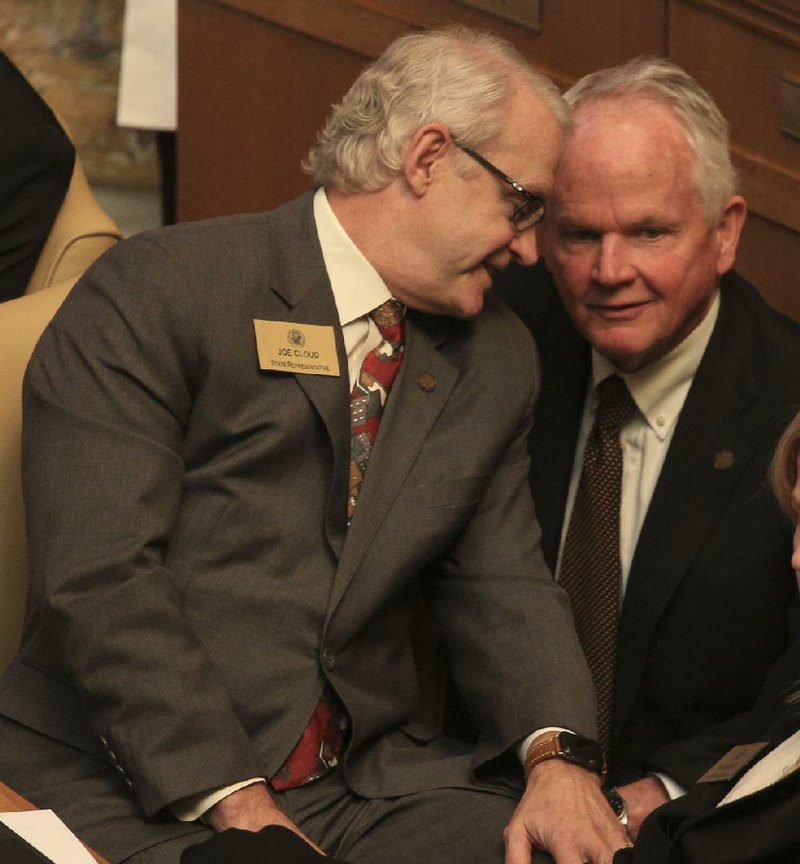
(457, 77)
(705, 128)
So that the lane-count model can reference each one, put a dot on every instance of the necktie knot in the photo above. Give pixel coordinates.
(615, 405)
(387, 315)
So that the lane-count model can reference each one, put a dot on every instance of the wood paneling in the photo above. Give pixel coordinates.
(769, 256)
(741, 51)
(252, 108)
(257, 78)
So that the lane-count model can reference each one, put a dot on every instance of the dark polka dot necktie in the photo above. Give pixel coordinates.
(590, 562)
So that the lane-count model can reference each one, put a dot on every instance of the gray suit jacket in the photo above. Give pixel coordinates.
(193, 583)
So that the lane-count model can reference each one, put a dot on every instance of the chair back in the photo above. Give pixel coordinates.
(21, 323)
(81, 232)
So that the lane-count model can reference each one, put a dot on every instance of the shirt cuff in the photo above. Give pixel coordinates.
(674, 789)
(192, 807)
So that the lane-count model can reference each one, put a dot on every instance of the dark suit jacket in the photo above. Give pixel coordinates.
(193, 583)
(710, 587)
(37, 159)
(763, 827)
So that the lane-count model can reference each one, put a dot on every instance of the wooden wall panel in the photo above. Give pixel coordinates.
(769, 256)
(575, 36)
(250, 109)
(257, 77)
(740, 51)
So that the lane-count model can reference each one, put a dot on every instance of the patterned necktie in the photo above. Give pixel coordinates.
(590, 562)
(370, 392)
(321, 745)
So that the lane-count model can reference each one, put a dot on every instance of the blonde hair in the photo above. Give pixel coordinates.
(783, 468)
(457, 77)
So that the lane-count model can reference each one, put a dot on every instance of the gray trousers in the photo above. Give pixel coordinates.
(444, 826)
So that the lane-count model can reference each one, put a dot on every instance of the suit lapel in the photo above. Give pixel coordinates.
(710, 450)
(565, 374)
(310, 301)
(410, 414)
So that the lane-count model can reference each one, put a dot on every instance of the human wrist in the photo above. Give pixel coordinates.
(249, 808)
(565, 746)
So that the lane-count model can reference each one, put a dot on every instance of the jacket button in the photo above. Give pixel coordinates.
(328, 658)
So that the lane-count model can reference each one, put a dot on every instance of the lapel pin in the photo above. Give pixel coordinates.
(427, 382)
(724, 459)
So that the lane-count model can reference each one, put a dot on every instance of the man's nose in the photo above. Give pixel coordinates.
(612, 264)
(523, 246)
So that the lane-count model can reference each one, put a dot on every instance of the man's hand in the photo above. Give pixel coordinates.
(250, 808)
(564, 812)
(641, 798)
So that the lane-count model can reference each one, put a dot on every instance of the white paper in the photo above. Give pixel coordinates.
(47, 833)
(148, 91)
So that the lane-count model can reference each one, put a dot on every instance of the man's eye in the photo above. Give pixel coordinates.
(651, 233)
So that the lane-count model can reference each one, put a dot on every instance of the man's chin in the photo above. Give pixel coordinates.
(626, 360)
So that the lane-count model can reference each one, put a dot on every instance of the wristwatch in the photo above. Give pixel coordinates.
(618, 805)
(568, 746)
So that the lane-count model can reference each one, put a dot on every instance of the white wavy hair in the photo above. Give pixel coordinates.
(705, 128)
(458, 77)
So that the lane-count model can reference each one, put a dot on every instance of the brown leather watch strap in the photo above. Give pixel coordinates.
(547, 746)
(567, 746)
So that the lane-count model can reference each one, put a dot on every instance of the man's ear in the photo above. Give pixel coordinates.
(728, 232)
(423, 153)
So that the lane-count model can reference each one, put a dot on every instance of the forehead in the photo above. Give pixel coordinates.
(529, 144)
(626, 147)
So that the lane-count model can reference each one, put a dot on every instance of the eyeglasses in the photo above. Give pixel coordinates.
(530, 211)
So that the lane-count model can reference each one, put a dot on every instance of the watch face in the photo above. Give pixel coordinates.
(584, 751)
(616, 801)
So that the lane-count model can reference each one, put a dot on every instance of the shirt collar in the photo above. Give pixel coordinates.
(660, 388)
(357, 287)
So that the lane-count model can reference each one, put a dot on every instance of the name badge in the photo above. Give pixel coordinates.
(304, 349)
(732, 762)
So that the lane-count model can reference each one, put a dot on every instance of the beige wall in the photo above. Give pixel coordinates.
(69, 50)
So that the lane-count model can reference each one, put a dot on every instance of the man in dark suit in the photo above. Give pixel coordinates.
(37, 159)
(743, 807)
(221, 598)
(640, 237)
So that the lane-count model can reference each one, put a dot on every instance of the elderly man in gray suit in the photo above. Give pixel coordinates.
(225, 554)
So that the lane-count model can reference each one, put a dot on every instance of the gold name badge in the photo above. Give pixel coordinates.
(299, 349)
(732, 762)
